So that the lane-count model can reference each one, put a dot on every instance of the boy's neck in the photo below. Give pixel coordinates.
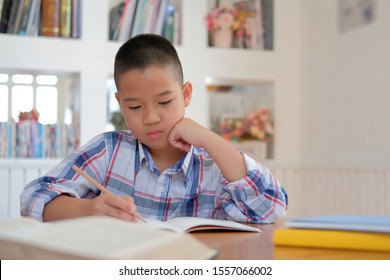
(165, 158)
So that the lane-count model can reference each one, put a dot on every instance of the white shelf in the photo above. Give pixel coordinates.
(28, 163)
(92, 56)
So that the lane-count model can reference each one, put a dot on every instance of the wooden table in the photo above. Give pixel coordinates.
(259, 246)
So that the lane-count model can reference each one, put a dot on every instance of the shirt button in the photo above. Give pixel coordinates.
(160, 189)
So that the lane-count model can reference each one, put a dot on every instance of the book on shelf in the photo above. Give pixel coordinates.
(76, 19)
(50, 23)
(350, 232)
(33, 18)
(161, 16)
(29, 138)
(132, 17)
(65, 18)
(126, 23)
(96, 237)
(25, 8)
(54, 18)
(140, 17)
(5, 15)
(152, 17)
(12, 18)
(169, 22)
(115, 19)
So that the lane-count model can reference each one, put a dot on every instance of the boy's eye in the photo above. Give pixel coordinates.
(134, 107)
(166, 102)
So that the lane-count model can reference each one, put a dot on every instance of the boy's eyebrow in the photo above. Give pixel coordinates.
(159, 94)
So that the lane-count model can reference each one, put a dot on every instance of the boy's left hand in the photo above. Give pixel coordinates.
(186, 133)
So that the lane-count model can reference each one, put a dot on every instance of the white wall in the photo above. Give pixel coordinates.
(346, 87)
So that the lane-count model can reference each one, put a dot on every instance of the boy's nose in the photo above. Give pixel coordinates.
(151, 117)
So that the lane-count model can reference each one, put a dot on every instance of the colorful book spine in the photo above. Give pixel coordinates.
(169, 22)
(12, 19)
(115, 18)
(50, 23)
(29, 138)
(65, 18)
(332, 239)
(34, 18)
(52, 18)
(76, 19)
(5, 15)
(162, 8)
(25, 15)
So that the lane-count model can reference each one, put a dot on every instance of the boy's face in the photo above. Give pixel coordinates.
(152, 102)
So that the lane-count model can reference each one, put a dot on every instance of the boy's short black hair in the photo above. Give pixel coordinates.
(147, 50)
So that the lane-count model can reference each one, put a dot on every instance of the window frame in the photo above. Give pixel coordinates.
(34, 84)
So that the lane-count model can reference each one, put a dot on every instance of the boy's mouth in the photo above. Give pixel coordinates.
(154, 134)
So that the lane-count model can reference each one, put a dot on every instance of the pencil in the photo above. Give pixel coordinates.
(99, 186)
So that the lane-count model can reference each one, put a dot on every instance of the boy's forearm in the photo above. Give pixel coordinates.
(65, 207)
(229, 160)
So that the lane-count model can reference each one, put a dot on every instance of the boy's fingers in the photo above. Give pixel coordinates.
(124, 203)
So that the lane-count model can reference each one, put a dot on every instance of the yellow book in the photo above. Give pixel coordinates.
(332, 239)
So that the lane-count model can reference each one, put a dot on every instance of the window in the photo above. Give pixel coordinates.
(46, 104)
(56, 100)
(23, 92)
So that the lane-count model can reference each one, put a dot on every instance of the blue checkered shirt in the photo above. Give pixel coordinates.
(194, 186)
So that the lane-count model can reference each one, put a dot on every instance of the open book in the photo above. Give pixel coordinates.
(191, 224)
(96, 237)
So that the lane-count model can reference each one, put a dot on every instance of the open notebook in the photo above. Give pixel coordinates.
(97, 237)
(191, 224)
(108, 238)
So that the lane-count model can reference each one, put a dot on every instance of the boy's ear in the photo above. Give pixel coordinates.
(119, 100)
(187, 93)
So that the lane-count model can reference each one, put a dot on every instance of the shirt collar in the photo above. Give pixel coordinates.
(145, 157)
(187, 162)
(184, 164)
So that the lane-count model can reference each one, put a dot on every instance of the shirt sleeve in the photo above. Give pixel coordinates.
(62, 179)
(256, 198)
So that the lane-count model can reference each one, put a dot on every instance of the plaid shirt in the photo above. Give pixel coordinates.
(194, 186)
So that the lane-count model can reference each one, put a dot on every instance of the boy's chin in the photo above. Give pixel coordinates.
(158, 146)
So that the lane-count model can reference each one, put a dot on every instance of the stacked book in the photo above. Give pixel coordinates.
(348, 232)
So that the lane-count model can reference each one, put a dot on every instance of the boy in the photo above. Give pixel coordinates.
(165, 166)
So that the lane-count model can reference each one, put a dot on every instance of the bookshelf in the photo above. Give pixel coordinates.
(91, 58)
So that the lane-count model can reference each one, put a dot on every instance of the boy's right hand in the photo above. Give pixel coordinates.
(65, 207)
(121, 207)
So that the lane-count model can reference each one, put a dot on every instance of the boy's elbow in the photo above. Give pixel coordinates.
(275, 214)
(278, 209)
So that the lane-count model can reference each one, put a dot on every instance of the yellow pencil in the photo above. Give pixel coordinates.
(99, 186)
